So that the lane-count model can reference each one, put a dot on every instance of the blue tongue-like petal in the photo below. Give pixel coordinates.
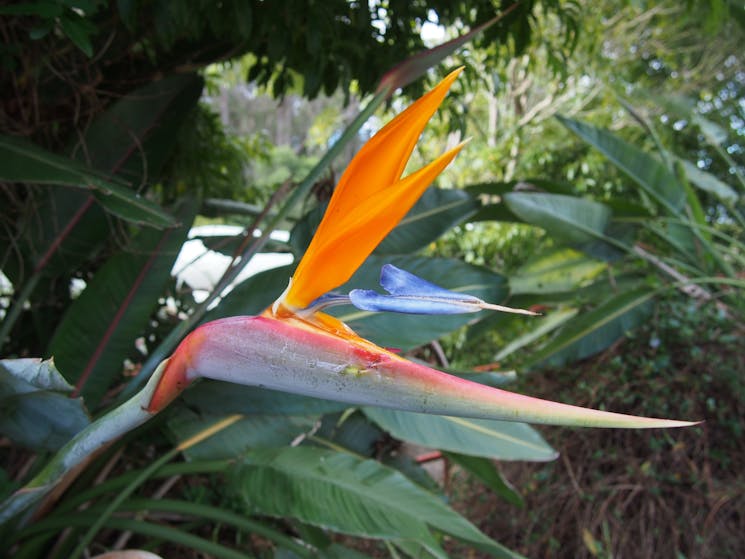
(411, 294)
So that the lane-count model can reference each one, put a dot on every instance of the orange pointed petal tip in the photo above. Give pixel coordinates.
(369, 200)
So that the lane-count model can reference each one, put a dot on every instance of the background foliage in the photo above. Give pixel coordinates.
(126, 124)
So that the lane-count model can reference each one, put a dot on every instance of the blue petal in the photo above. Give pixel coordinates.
(367, 300)
(411, 294)
(400, 282)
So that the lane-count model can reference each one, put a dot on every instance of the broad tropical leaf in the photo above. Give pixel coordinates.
(436, 212)
(37, 411)
(558, 271)
(24, 162)
(349, 495)
(499, 440)
(255, 431)
(589, 333)
(710, 183)
(488, 474)
(646, 171)
(544, 325)
(252, 295)
(215, 397)
(567, 218)
(97, 332)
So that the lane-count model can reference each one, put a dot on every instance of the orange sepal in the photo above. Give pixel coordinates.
(369, 201)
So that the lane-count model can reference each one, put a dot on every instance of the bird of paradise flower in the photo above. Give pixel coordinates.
(296, 347)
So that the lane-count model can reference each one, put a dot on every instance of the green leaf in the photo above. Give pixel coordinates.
(27, 163)
(78, 30)
(37, 411)
(46, 10)
(709, 183)
(646, 171)
(558, 271)
(345, 494)
(253, 295)
(419, 551)
(353, 432)
(135, 136)
(487, 473)
(500, 440)
(215, 397)
(131, 140)
(256, 431)
(98, 330)
(566, 218)
(541, 327)
(405, 331)
(436, 212)
(591, 332)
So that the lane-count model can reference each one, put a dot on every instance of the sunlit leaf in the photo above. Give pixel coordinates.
(567, 218)
(558, 271)
(646, 171)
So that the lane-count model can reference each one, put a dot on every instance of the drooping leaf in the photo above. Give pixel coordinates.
(349, 495)
(500, 440)
(558, 271)
(97, 332)
(541, 327)
(589, 333)
(488, 474)
(646, 171)
(567, 218)
(35, 408)
(130, 140)
(23, 162)
(408, 331)
(709, 183)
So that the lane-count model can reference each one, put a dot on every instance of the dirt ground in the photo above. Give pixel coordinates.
(630, 494)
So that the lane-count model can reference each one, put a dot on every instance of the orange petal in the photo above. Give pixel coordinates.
(368, 193)
(355, 236)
